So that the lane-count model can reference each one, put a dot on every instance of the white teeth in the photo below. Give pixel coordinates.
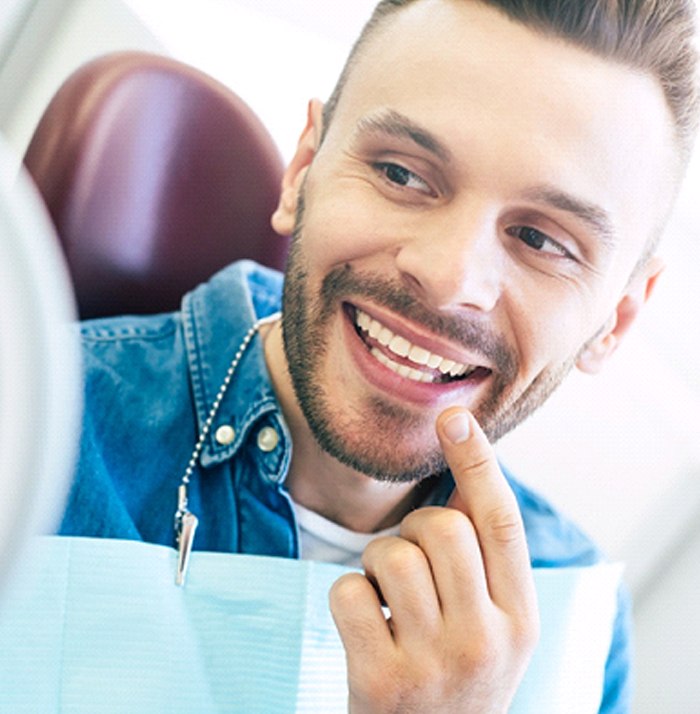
(363, 320)
(384, 337)
(402, 370)
(456, 370)
(418, 355)
(399, 346)
(434, 361)
(446, 365)
(403, 348)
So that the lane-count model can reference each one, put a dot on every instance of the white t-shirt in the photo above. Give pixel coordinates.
(328, 542)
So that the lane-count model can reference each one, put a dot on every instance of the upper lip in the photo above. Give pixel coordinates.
(417, 336)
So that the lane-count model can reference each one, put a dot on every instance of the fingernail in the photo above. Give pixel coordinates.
(456, 427)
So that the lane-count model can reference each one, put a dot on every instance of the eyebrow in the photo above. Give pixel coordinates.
(591, 214)
(393, 123)
(396, 124)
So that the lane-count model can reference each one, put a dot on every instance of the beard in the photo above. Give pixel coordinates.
(376, 439)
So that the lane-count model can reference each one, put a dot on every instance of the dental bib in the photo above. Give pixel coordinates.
(97, 625)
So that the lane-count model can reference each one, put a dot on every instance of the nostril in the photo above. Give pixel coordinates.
(412, 283)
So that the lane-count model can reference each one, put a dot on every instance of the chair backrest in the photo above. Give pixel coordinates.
(155, 176)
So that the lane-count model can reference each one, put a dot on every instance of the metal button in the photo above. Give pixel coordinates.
(268, 438)
(225, 434)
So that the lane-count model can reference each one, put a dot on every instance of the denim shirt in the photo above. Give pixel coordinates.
(150, 383)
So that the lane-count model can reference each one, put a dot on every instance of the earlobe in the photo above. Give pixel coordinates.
(598, 350)
(284, 217)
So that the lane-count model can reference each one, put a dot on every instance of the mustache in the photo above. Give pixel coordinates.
(466, 331)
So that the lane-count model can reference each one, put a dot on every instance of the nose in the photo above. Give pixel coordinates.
(454, 260)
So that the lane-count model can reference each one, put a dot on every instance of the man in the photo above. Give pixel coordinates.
(474, 213)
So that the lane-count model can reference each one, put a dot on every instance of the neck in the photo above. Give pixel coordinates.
(320, 482)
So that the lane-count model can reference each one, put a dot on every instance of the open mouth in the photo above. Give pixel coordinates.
(408, 360)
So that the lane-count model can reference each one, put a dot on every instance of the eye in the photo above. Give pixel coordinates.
(402, 177)
(539, 241)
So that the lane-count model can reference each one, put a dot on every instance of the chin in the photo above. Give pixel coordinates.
(381, 441)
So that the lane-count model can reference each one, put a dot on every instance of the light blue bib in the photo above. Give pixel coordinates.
(98, 626)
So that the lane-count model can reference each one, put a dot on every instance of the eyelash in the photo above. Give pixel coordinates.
(541, 240)
(385, 168)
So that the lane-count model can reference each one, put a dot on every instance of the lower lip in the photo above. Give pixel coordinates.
(402, 388)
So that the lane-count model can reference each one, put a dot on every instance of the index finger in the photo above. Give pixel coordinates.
(485, 497)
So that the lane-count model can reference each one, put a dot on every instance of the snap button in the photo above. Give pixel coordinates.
(225, 435)
(268, 438)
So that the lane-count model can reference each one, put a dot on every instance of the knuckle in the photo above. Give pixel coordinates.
(404, 687)
(494, 645)
(525, 635)
(402, 559)
(347, 591)
(483, 655)
(377, 688)
(488, 654)
(385, 685)
(500, 647)
(440, 525)
(375, 552)
(475, 468)
(415, 521)
(504, 525)
(450, 523)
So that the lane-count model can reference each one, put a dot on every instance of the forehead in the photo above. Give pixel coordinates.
(467, 55)
(487, 86)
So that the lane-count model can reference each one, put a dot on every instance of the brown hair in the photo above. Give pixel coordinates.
(653, 36)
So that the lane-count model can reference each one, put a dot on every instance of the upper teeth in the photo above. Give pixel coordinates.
(403, 348)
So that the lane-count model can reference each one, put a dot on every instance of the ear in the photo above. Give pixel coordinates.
(283, 218)
(601, 347)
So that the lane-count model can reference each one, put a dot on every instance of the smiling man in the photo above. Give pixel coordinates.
(475, 213)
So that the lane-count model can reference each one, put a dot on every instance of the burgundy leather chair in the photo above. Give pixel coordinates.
(155, 176)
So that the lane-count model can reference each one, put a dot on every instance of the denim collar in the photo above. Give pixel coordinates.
(216, 317)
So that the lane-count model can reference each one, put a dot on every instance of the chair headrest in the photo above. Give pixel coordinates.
(155, 175)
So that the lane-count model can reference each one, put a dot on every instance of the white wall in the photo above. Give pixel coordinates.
(276, 54)
(12, 13)
(83, 30)
(668, 635)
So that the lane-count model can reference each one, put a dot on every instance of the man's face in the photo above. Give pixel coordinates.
(469, 227)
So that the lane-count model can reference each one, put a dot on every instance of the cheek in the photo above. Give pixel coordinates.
(347, 218)
(340, 230)
(549, 328)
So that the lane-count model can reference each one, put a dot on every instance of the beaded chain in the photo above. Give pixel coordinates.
(185, 521)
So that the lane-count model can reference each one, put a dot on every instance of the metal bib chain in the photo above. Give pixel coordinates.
(185, 521)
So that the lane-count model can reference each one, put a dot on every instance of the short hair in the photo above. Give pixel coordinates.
(653, 36)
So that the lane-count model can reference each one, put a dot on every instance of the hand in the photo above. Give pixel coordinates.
(459, 586)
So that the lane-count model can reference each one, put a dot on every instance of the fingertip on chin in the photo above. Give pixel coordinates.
(455, 424)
